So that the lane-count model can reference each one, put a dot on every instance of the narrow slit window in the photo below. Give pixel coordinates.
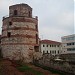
(36, 27)
(29, 14)
(36, 39)
(15, 12)
(9, 34)
(10, 23)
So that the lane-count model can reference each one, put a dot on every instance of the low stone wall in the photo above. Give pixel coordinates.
(57, 65)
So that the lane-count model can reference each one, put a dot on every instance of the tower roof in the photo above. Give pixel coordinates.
(22, 4)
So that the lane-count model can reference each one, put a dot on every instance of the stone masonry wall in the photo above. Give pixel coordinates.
(23, 10)
(22, 37)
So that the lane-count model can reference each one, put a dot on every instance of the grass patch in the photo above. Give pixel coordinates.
(24, 68)
(37, 72)
(50, 69)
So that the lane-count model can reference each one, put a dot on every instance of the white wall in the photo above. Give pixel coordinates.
(52, 49)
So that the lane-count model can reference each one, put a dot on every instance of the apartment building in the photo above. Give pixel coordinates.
(68, 44)
(49, 46)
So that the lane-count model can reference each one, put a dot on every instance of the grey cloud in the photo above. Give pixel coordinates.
(56, 17)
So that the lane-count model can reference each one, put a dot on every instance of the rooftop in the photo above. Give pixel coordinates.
(68, 36)
(50, 42)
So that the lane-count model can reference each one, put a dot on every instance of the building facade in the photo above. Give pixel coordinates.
(19, 37)
(68, 44)
(49, 46)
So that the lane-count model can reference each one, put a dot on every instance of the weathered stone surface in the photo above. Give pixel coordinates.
(20, 42)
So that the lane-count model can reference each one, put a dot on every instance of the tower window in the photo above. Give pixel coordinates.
(36, 39)
(10, 23)
(15, 12)
(9, 34)
(36, 27)
(29, 14)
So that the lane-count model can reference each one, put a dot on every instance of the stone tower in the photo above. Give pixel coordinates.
(19, 38)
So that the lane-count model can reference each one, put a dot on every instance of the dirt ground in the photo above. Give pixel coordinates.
(45, 72)
(8, 68)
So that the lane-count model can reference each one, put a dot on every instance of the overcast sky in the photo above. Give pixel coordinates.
(56, 17)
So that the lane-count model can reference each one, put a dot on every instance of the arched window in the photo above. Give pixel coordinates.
(15, 12)
(58, 51)
(43, 45)
(47, 45)
(55, 52)
(47, 51)
(50, 52)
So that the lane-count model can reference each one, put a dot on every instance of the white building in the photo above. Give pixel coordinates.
(68, 44)
(49, 46)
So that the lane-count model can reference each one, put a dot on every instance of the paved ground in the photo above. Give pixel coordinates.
(8, 68)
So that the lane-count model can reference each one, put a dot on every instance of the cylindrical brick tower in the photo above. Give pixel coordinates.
(19, 38)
